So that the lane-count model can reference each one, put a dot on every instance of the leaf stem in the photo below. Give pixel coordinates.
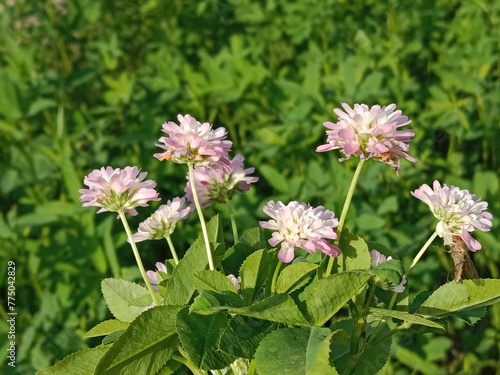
(121, 214)
(200, 215)
(345, 209)
(186, 362)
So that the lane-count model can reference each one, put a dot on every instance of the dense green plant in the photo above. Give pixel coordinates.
(83, 84)
(279, 316)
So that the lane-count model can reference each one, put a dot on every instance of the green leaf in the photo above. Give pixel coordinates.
(244, 335)
(72, 180)
(126, 300)
(466, 295)
(409, 319)
(170, 368)
(253, 237)
(214, 281)
(106, 327)
(330, 294)
(274, 178)
(373, 359)
(179, 289)
(367, 222)
(83, 362)
(471, 317)
(418, 364)
(355, 253)
(278, 308)
(235, 256)
(295, 351)
(294, 277)
(388, 274)
(41, 104)
(485, 182)
(209, 302)
(254, 273)
(145, 346)
(112, 337)
(200, 335)
(389, 204)
(250, 241)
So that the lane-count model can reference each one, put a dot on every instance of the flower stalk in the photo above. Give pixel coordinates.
(121, 214)
(172, 249)
(422, 250)
(201, 217)
(230, 210)
(345, 209)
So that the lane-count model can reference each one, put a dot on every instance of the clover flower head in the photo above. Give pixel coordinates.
(300, 225)
(192, 142)
(378, 258)
(118, 190)
(162, 222)
(370, 133)
(153, 275)
(236, 281)
(219, 182)
(458, 211)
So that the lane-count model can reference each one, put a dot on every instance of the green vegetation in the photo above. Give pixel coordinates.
(85, 84)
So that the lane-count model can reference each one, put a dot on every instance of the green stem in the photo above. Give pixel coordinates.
(422, 250)
(384, 319)
(275, 276)
(370, 297)
(138, 258)
(172, 249)
(343, 215)
(359, 326)
(200, 215)
(187, 363)
(110, 251)
(233, 220)
(393, 300)
(385, 336)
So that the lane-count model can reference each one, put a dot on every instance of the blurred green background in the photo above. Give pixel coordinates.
(88, 83)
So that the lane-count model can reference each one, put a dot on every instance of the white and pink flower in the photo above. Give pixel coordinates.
(458, 211)
(370, 133)
(192, 142)
(162, 222)
(118, 190)
(219, 182)
(300, 225)
(153, 275)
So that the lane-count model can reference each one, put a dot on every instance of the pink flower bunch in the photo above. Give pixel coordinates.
(236, 281)
(162, 222)
(192, 142)
(458, 211)
(153, 275)
(370, 133)
(219, 182)
(300, 225)
(118, 190)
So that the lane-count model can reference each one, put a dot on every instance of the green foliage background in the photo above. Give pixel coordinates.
(85, 84)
